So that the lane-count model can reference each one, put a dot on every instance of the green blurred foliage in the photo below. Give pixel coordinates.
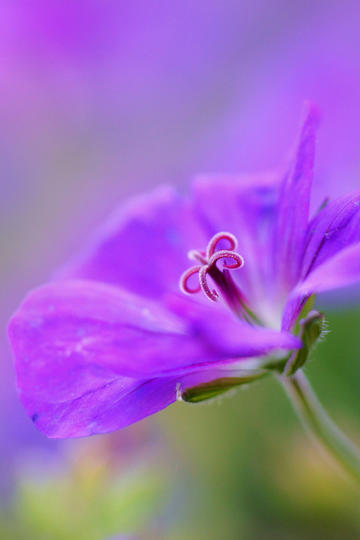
(253, 472)
(88, 495)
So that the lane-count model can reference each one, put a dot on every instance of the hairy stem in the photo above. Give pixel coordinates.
(318, 423)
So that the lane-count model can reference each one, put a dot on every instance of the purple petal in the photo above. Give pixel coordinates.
(76, 336)
(339, 271)
(335, 227)
(232, 337)
(109, 407)
(144, 247)
(294, 204)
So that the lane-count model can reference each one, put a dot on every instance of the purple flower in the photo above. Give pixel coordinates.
(115, 339)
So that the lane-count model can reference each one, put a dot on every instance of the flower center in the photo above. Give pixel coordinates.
(225, 285)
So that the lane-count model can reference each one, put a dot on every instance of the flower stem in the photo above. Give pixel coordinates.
(318, 423)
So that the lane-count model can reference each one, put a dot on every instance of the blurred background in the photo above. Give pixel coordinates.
(103, 100)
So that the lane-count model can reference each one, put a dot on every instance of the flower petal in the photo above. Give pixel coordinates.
(74, 340)
(75, 336)
(338, 271)
(233, 338)
(335, 227)
(108, 407)
(144, 246)
(294, 204)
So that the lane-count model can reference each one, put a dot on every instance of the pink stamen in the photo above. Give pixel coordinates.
(208, 260)
(225, 254)
(211, 248)
(211, 294)
(184, 280)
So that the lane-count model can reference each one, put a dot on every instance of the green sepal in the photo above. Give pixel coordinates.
(311, 329)
(276, 364)
(306, 309)
(217, 387)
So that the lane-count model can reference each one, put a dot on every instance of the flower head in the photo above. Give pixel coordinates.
(115, 339)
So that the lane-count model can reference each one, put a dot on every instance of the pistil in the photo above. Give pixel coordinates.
(225, 284)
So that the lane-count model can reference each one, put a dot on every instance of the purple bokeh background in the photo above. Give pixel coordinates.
(102, 101)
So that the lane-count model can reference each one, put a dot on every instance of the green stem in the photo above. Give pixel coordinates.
(317, 422)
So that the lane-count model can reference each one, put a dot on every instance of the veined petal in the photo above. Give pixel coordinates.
(233, 338)
(74, 336)
(109, 406)
(338, 271)
(144, 247)
(294, 204)
(335, 227)
(77, 335)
